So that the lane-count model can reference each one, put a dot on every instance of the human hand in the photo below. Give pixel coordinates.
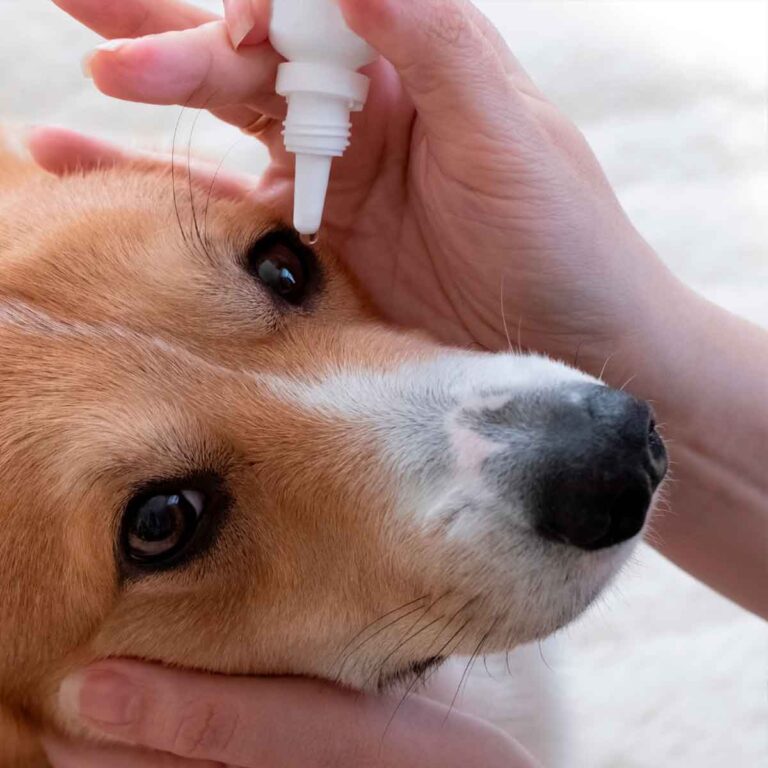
(468, 205)
(189, 719)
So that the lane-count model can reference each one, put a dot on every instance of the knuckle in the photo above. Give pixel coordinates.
(205, 729)
(451, 23)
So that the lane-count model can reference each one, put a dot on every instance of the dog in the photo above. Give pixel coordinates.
(216, 456)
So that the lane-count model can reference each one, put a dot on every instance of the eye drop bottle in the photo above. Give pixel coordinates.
(322, 86)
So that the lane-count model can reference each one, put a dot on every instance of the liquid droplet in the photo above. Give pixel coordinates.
(310, 239)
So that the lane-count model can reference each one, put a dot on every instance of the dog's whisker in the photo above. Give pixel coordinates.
(213, 185)
(541, 656)
(190, 184)
(503, 313)
(381, 618)
(401, 644)
(173, 175)
(445, 626)
(605, 366)
(343, 661)
(410, 635)
(458, 635)
(468, 668)
(576, 356)
(627, 382)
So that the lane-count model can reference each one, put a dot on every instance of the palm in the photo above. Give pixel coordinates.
(369, 218)
(399, 206)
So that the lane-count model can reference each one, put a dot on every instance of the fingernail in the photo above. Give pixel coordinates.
(240, 20)
(101, 697)
(109, 47)
(85, 64)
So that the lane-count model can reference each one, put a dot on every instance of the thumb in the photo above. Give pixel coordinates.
(247, 21)
(456, 72)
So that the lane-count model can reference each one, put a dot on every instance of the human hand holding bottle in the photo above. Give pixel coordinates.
(465, 194)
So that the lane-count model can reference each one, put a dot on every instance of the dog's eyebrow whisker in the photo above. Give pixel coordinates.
(195, 225)
(202, 236)
(212, 185)
(372, 624)
(173, 175)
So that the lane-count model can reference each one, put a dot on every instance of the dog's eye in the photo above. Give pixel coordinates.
(158, 528)
(284, 265)
(283, 273)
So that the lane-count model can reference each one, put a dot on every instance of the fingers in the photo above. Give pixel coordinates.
(195, 68)
(62, 152)
(64, 755)
(449, 65)
(134, 18)
(255, 722)
(247, 21)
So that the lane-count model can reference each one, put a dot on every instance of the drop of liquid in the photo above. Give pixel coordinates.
(310, 239)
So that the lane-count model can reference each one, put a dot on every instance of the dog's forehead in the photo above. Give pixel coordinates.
(82, 404)
(131, 226)
(116, 248)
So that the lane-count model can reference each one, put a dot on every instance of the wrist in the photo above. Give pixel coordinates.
(703, 370)
(639, 320)
(645, 344)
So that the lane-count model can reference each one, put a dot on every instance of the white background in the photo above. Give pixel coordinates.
(672, 96)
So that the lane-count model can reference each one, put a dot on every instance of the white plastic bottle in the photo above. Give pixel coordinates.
(322, 85)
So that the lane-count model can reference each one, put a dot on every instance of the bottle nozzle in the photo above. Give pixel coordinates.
(312, 175)
(317, 129)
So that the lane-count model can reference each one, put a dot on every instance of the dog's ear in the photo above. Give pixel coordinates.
(15, 162)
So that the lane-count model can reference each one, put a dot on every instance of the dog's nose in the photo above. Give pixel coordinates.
(601, 471)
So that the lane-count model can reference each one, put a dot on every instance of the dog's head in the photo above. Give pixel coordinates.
(214, 456)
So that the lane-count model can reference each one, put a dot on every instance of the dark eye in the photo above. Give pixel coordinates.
(157, 528)
(283, 273)
(282, 263)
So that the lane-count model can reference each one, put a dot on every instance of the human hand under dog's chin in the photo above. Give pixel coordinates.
(190, 720)
(468, 205)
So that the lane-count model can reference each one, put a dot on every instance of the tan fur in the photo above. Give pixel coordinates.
(128, 353)
(135, 346)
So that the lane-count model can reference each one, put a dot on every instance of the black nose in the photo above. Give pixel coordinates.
(603, 463)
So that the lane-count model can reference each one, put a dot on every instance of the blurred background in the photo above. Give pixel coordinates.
(672, 95)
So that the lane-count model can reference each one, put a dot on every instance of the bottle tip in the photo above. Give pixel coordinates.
(312, 176)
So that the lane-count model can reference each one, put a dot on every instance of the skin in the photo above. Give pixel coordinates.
(457, 154)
